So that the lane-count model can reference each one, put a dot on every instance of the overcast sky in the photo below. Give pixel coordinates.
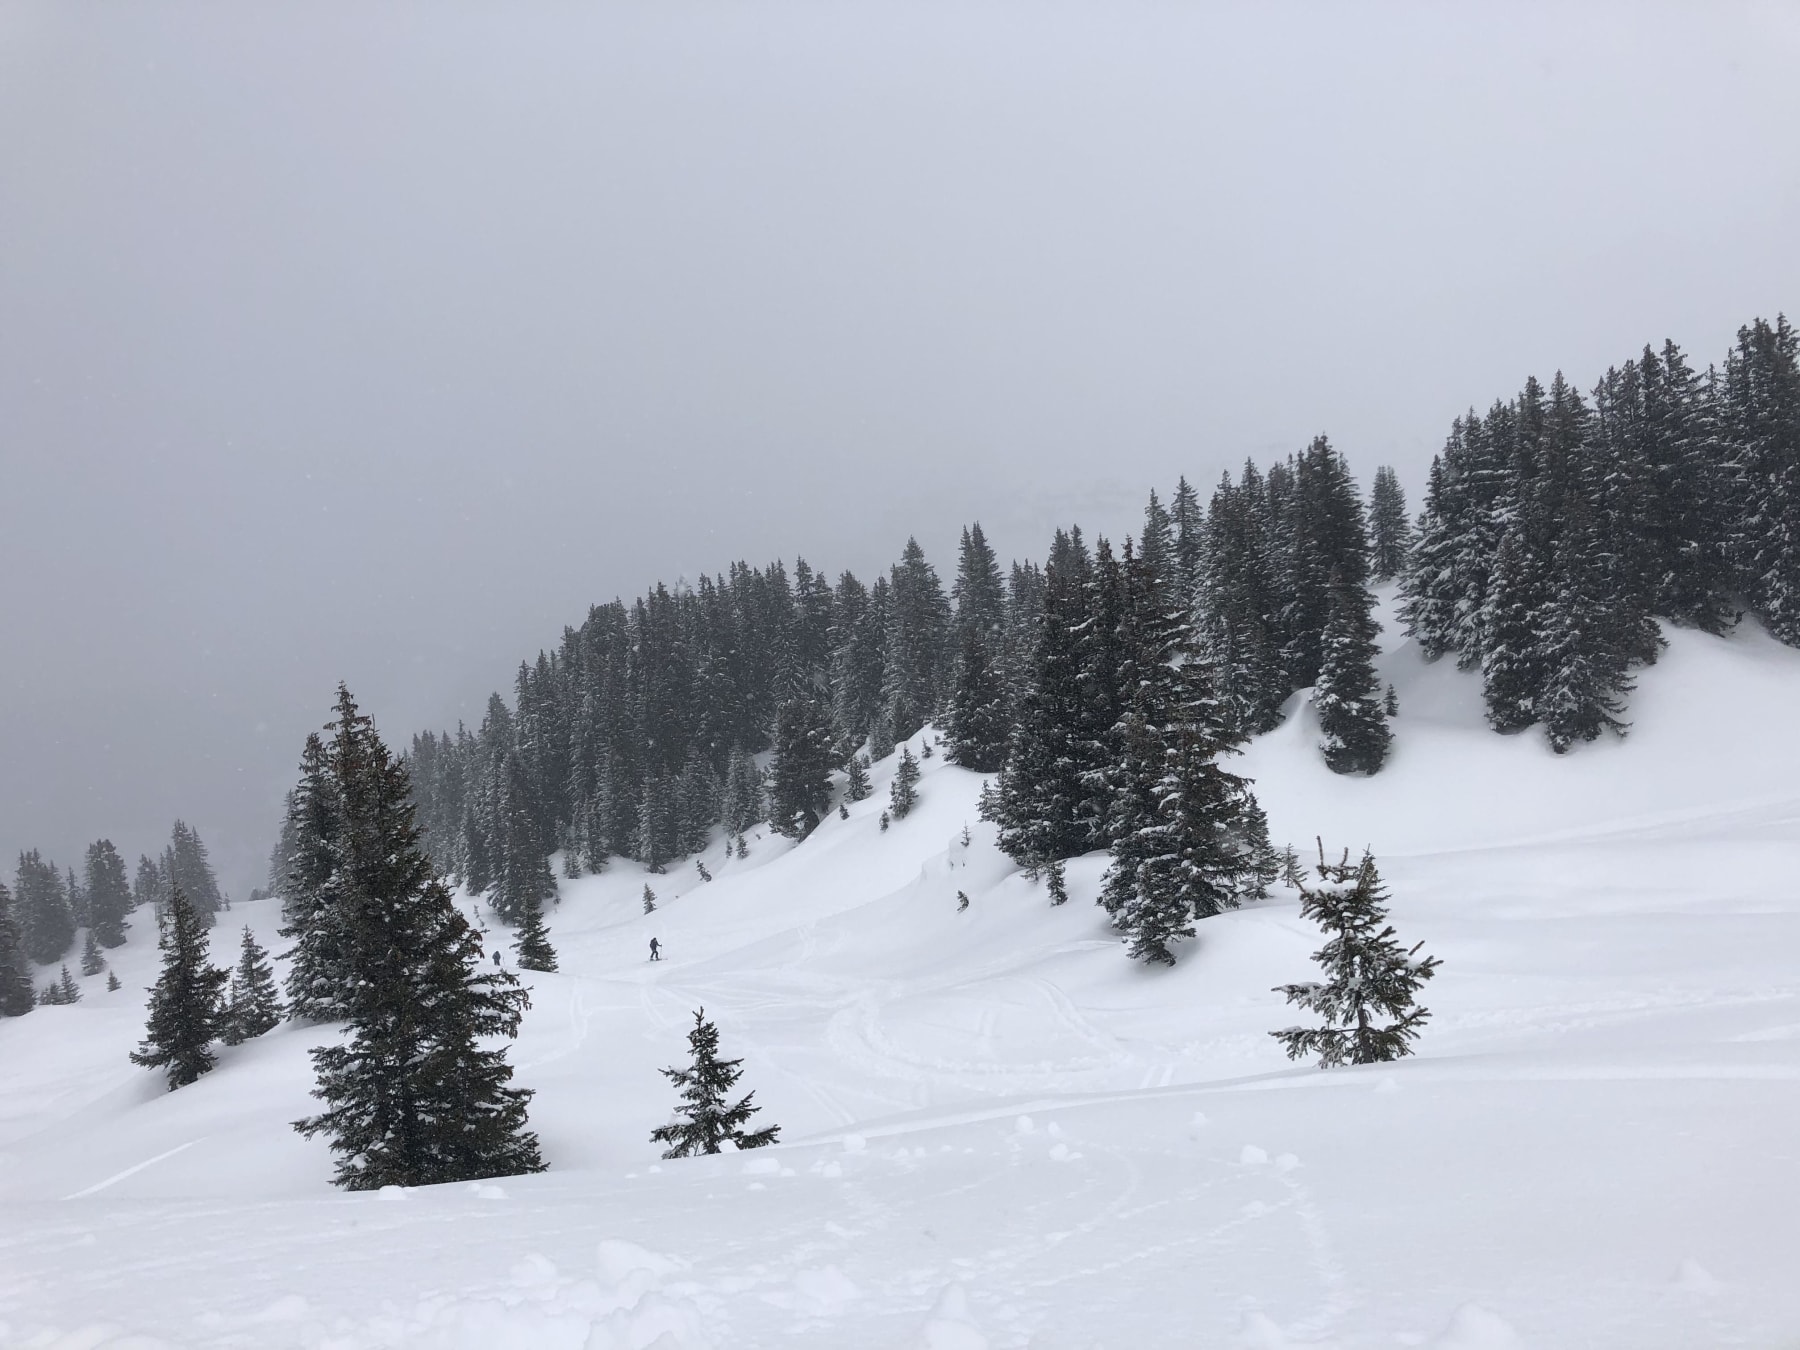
(375, 342)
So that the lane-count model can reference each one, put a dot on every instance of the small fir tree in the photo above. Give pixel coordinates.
(92, 961)
(904, 793)
(856, 778)
(1056, 879)
(703, 1121)
(253, 1006)
(70, 991)
(187, 1002)
(1368, 974)
(649, 900)
(532, 944)
(112, 983)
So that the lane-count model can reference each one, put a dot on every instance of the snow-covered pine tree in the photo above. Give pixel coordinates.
(69, 991)
(532, 942)
(41, 900)
(187, 1005)
(416, 1093)
(800, 777)
(16, 994)
(93, 961)
(1390, 531)
(1759, 398)
(1056, 881)
(1348, 695)
(979, 594)
(1368, 974)
(1586, 670)
(112, 983)
(903, 793)
(649, 900)
(978, 726)
(1511, 663)
(915, 675)
(1238, 604)
(108, 893)
(696, 805)
(856, 778)
(1187, 838)
(189, 867)
(704, 1121)
(146, 883)
(252, 1006)
(522, 866)
(318, 980)
(1038, 794)
(744, 801)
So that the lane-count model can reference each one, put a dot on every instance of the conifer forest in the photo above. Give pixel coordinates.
(899, 676)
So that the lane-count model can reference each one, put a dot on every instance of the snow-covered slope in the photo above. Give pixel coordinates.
(998, 1131)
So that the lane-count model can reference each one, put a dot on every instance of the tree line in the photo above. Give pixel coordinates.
(49, 906)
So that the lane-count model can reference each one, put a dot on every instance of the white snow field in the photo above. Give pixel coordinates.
(999, 1132)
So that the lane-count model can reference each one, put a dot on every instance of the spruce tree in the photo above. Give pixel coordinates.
(1368, 975)
(800, 778)
(69, 991)
(1390, 532)
(856, 778)
(1585, 666)
(978, 726)
(903, 793)
(522, 866)
(16, 994)
(319, 978)
(744, 801)
(1348, 696)
(1187, 838)
(108, 893)
(649, 900)
(187, 1002)
(414, 1094)
(112, 983)
(252, 1006)
(46, 923)
(1037, 799)
(92, 961)
(189, 867)
(704, 1121)
(532, 942)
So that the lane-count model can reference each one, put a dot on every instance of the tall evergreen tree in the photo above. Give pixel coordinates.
(187, 1002)
(978, 591)
(319, 976)
(1185, 834)
(190, 868)
(522, 874)
(917, 643)
(800, 778)
(46, 923)
(856, 779)
(1367, 973)
(1038, 797)
(1348, 695)
(1390, 531)
(92, 959)
(1586, 667)
(978, 727)
(744, 804)
(705, 1120)
(16, 995)
(412, 1094)
(252, 1006)
(108, 893)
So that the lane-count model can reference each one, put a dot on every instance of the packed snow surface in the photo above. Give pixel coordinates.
(999, 1132)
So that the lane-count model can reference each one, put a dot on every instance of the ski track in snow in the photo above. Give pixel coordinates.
(999, 1132)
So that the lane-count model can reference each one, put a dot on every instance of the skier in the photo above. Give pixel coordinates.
(655, 950)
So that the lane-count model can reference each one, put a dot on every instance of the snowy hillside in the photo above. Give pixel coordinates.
(997, 1131)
